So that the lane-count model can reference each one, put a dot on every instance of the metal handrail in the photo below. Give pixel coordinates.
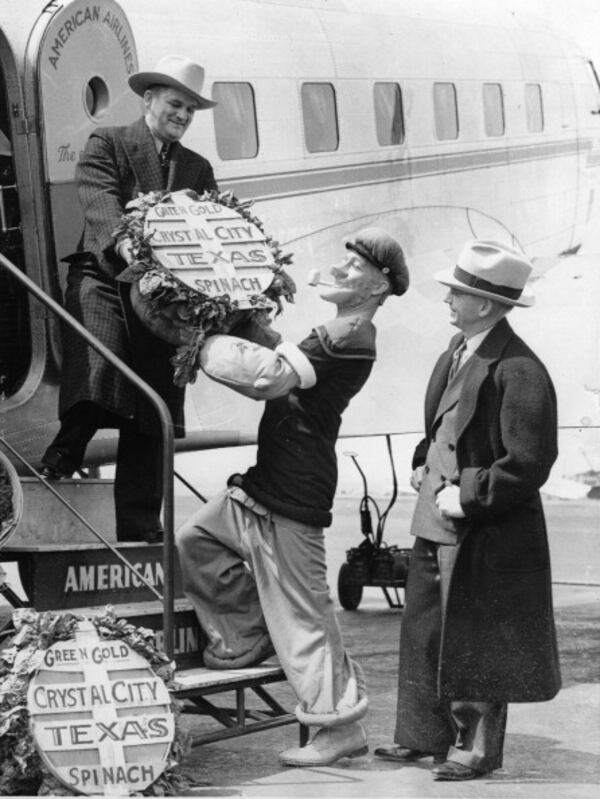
(82, 519)
(166, 433)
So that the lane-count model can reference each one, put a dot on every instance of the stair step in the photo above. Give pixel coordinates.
(189, 640)
(65, 576)
(212, 681)
(45, 518)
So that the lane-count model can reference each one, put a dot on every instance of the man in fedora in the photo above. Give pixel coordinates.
(478, 628)
(253, 558)
(117, 164)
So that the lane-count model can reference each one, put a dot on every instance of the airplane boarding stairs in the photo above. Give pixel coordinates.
(67, 560)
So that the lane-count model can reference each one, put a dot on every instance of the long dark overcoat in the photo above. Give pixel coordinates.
(499, 641)
(117, 164)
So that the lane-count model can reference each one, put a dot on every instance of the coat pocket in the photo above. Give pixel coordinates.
(518, 544)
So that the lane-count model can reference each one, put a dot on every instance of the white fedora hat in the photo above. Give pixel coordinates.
(175, 71)
(490, 269)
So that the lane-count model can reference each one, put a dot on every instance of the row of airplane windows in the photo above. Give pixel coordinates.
(237, 131)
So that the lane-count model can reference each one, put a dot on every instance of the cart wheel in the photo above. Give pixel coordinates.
(349, 593)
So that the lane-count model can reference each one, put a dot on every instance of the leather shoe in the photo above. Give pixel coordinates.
(48, 473)
(328, 745)
(455, 772)
(403, 754)
(262, 650)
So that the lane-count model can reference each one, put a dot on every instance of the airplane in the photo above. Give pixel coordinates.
(433, 123)
(440, 122)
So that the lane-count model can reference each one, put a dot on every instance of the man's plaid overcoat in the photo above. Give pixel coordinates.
(117, 164)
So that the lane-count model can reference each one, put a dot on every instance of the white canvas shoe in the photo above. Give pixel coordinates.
(328, 745)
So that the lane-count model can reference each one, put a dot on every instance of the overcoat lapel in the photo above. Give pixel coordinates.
(143, 157)
(450, 395)
(441, 397)
(482, 359)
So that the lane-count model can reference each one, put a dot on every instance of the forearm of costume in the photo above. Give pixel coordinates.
(100, 192)
(255, 371)
(528, 433)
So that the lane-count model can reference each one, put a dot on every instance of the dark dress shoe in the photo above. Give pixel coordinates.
(48, 473)
(403, 754)
(455, 772)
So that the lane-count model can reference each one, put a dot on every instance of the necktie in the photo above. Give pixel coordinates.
(456, 357)
(163, 157)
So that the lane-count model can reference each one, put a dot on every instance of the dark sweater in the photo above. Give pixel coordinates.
(296, 467)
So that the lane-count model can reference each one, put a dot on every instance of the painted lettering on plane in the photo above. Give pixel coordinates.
(111, 576)
(116, 27)
(185, 639)
(85, 16)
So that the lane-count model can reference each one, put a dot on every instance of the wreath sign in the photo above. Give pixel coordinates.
(23, 770)
(11, 499)
(179, 288)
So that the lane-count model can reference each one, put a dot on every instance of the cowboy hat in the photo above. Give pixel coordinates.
(490, 269)
(175, 71)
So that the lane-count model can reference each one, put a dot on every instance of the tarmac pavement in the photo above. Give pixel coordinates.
(552, 749)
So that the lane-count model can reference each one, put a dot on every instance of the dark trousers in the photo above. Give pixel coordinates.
(138, 476)
(471, 733)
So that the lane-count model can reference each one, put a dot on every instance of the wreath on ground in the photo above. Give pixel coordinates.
(193, 314)
(6, 506)
(11, 499)
(22, 770)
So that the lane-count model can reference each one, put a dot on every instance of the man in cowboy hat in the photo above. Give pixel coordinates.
(117, 164)
(478, 629)
(253, 558)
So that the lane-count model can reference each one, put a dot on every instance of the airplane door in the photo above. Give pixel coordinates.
(593, 158)
(15, 331)
(85, 53)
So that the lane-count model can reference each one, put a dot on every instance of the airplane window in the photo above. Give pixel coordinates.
(97, 98)
(389, 116)
(493, 109)
(445, 111)
(321, 131)
(534, 107)
(235, 120)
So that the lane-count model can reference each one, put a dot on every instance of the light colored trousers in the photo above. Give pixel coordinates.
(251, 573)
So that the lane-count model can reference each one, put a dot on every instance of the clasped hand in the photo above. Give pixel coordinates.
(448, 502)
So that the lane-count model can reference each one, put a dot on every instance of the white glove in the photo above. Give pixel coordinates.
(123, 248)
(253, 370)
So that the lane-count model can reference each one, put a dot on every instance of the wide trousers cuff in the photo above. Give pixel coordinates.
(344, 712)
